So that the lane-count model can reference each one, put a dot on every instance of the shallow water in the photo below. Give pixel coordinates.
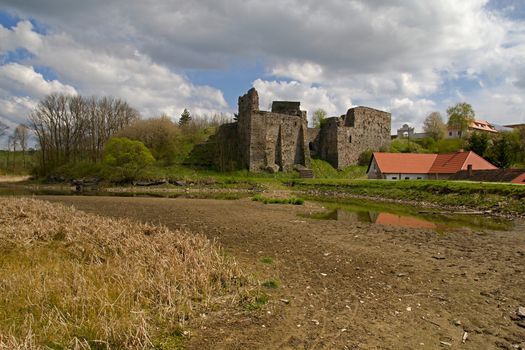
(351, 211)
(409, 217)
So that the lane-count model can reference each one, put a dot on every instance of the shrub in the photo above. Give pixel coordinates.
(124, 159)
(364, 158)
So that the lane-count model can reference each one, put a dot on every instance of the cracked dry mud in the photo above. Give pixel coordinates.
(348, 286)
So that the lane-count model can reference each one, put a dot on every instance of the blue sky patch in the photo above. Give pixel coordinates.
(16, 56)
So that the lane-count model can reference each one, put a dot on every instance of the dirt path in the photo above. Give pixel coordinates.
(354, 286)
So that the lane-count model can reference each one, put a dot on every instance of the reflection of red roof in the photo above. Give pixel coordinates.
(417, 163)
(403, 221)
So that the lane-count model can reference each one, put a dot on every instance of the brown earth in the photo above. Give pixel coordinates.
(349, 286)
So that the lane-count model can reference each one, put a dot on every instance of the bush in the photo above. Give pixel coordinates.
(160, 135)
(364, 158)
(124, 159)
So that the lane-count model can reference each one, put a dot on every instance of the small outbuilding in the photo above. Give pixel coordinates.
(415, 166)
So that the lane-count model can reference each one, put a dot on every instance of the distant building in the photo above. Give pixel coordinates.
(407, 131)
(412, 166)
(515, 126)
(476, 125)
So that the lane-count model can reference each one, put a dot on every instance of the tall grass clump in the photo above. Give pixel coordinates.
(75, 280)
(270, 200)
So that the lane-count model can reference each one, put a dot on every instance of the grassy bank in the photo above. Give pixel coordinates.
(73, 280)
(500, 198)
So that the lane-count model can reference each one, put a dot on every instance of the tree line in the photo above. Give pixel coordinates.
(504, 148)
(75, 128)
(80, 136)
(17, 142)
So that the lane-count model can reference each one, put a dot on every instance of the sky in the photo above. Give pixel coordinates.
(407, 57)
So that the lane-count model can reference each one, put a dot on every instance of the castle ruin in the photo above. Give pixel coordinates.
(280, 140)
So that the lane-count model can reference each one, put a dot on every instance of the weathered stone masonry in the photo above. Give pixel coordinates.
(343, 139)
(280, 139)
(275, 140)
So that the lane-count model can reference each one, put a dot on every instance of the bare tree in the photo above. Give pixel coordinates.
(21, 137)
(73, 128)
(3, 128)
(10, 146)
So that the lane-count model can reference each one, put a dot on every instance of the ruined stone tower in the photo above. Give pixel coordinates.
(343, 139)
(280, 140)
(272, 141)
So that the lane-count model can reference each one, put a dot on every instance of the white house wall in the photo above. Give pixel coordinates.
(406, 176)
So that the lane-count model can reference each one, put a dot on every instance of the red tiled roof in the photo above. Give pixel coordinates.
(519, 180)
(483, 125)
(418, 163)
(413, 163)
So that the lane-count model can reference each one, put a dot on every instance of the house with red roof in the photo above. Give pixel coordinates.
(412, 166)
(475, 125)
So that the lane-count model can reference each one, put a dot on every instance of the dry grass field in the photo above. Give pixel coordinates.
(336, 284)
(75, 280)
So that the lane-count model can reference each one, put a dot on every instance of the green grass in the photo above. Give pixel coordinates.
(269, 200)
(506, 198)
(19, 167)
(323, 170)
(256, 302)
(266, 260)
(270, 284)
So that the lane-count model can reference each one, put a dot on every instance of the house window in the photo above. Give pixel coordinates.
(407, 178)
(394, 178)
(350, 139)
(450, 133)
(419, 177)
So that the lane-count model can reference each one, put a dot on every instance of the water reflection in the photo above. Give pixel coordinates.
(439, 223)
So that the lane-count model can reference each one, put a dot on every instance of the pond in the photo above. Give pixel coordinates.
(397, 215)
(352, 211)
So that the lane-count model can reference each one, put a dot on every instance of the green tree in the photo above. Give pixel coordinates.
(503, 152)
(125, 158)
(185, 118)
(460, 117)
(478, 142)
(161, 135)
(434, 126)
(319, 118)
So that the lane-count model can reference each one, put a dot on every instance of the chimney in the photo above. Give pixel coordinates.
(469, 170)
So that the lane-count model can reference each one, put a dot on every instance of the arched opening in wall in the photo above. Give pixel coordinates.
(311, 146)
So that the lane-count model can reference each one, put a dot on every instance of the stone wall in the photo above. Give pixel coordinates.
(342, 139)
(280, 139)
(272, 141)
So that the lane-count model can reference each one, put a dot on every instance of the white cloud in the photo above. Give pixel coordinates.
(14, 76)
(409, 111)
(311, 97)
(305, 72)
(21, 36)
(122, 72)
(405, 56)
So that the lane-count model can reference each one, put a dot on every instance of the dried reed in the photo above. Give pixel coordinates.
(73, 280)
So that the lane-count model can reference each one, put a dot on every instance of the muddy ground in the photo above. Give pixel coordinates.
(349, 286)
